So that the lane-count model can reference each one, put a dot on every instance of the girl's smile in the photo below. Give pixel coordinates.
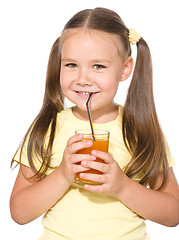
(91, 62)
(85, 95)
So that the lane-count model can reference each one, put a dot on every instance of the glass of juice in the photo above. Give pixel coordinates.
(100, 142)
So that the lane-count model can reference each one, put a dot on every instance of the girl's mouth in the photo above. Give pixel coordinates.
(82, 93)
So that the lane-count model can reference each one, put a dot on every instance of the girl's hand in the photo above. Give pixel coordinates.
(112, 179)
(69, 166)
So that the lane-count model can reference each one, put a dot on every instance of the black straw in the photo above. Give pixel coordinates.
(89, 115)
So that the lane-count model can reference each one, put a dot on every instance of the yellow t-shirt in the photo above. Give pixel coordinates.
(83, 215)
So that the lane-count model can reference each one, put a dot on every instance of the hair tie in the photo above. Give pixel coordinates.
(134, 36)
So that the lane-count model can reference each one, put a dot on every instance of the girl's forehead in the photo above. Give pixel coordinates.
(96, 36)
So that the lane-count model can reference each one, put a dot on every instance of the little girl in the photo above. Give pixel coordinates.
(92, 55)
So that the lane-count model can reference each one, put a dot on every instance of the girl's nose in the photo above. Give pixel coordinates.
(84, 79)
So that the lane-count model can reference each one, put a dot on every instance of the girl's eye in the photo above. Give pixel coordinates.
(98, 67)
(71, 65)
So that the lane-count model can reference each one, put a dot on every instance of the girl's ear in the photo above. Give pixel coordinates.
(127, 68)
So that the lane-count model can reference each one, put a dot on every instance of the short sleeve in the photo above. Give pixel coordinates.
(171, 161)
(21, 155)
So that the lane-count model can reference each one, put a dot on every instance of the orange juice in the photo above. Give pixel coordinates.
(101, 143)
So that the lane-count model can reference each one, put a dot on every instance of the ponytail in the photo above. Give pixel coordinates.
(141, 129)
(45, 122)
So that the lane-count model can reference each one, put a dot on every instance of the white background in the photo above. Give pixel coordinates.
(27, 32)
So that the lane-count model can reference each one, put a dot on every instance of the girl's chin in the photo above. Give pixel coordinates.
(81, 105)
(81, 108)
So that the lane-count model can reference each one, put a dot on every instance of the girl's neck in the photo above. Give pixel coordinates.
(98, 116)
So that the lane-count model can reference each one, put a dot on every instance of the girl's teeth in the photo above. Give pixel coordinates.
(84, 93)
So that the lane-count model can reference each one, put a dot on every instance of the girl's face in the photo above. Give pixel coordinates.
(91, 62)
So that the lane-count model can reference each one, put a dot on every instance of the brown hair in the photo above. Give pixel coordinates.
(141, 130)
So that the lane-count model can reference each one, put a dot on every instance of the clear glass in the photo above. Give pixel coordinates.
(100, 142)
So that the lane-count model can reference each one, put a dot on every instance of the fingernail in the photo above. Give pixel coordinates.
(94, 152)
(80, 136)
(93, 158)
(83, 163)
(81, 175)
(89, 142)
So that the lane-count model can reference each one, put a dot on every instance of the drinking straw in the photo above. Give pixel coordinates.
(89, 116)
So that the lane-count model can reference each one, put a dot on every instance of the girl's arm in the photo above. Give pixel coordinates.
(29, 200)
(158, 206)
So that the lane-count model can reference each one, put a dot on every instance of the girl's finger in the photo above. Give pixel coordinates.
(106, 157)
(75, 138)
(102, 167)
(73, 148)
(100, 178)
(94, 188)
(82, 157)
(79, 168)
